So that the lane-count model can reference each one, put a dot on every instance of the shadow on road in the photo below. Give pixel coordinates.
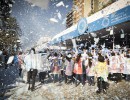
(8, 78)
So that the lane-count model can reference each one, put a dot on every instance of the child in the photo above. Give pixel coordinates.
(101, 71)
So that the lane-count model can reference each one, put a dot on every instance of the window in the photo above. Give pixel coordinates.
(92, 4)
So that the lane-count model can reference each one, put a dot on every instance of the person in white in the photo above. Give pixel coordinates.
(127, 67)
(33, 63)
(68, 68)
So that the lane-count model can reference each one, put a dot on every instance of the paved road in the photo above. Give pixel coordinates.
(8, 78)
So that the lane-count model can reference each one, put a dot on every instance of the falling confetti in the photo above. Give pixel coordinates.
(103, 46)
(67, 6)
(53, 20)
(43, 29)
(64, 21)
(111, 32)
(32, 5)
(96, 40)
(93, 34)
(43, 4)
(59, 15)
(60, 4)
(122, 31)
(10, 5)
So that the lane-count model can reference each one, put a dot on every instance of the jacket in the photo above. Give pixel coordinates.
(101, 70)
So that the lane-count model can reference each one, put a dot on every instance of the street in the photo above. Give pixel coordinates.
(13, 89)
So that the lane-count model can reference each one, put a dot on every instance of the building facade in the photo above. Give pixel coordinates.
(85, 8)
(109, 21)
(69, 19)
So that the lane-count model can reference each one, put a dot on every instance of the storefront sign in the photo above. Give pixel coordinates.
(118, 17)
(82, 26)
(115, 18)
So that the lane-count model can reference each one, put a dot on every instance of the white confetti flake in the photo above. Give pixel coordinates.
(10, 11)
(43, 29)
(59, 15)
(54, 20)
(64, 21)
(93, 34)
(111, 32)
(103, 46)
(67, 6)
(10, 5)
(122, 31)
(41, 3)
(32, 5)
(96, 40)
(60, 4)
(122, 36)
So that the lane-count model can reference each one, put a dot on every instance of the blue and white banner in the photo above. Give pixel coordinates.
(118, 17)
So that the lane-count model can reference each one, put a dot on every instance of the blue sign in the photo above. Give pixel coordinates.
(120, 16)
(82, 26)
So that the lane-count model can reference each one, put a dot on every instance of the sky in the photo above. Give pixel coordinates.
(38, 18)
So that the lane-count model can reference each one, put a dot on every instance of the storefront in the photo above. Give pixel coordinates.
(110, 25)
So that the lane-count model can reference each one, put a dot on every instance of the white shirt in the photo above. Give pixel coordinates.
(33, 61)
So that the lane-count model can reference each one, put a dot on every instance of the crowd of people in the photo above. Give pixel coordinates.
(91, 66)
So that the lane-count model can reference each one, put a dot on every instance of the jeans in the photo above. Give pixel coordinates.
(56, 77)
(101, 84)
(20, 72)
(127, 77)
(90, 80)
(42, 76)
(32, 75)
(80, 78)
(66, 78)
(117, 77)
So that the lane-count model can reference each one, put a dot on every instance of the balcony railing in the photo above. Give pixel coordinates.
(104, 5)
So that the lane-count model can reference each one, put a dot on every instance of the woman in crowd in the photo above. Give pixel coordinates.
(95, 66)
(60, 61)
(21, 63)
(55, 68)
(122, 58)
(84, 64)
(90, 70)
(5, 57)
(127, 67)
(114, 68)
(68, 68)
(78, 70)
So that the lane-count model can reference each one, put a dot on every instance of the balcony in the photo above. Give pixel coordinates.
(113, 7)
(103, 5)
